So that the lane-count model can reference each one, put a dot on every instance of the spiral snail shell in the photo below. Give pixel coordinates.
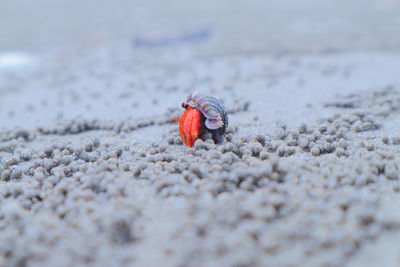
(202, 114)
(215, 116)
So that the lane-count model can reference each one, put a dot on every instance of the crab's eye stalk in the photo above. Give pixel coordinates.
(185, 105)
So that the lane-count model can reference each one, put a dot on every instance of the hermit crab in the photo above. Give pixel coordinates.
(202, 114)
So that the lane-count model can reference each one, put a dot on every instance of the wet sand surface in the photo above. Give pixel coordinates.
(93, 172)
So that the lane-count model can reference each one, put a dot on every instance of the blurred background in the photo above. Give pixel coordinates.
(99, 52)
(274, 25)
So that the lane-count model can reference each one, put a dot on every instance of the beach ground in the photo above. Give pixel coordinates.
(93, 172)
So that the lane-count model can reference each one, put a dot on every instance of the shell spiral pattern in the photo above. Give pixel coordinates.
(216, 118)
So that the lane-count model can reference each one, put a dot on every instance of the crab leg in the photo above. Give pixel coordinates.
(189, 125)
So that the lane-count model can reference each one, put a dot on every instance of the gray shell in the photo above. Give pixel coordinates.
(216, 118)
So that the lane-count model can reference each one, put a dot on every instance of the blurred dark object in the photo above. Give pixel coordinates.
(171, 39)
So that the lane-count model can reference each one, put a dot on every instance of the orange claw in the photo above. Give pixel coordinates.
(189, 125)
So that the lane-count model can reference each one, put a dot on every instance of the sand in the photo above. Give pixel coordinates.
(93, 172)
(308, 171)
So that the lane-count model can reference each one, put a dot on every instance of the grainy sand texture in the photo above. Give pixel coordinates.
(94, 173)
